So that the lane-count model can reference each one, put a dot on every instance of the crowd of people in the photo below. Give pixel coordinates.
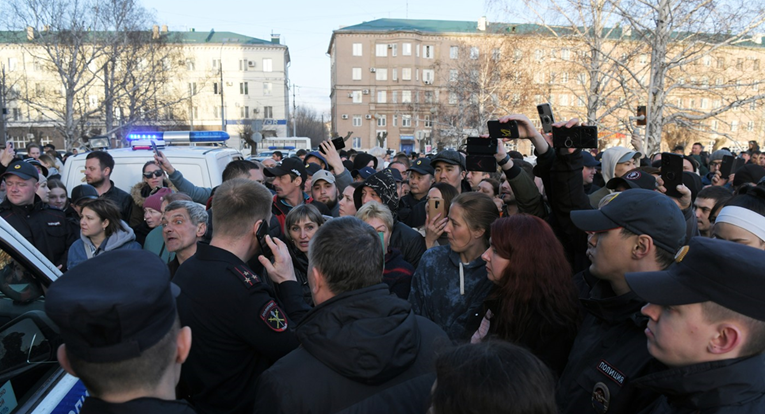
(349, 282)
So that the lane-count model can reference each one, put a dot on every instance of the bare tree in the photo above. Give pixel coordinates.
(309, 124)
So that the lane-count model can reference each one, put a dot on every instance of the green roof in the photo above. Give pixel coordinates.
(176, 36)
(471, 27)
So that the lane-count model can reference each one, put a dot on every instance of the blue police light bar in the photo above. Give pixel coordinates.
(180, 137)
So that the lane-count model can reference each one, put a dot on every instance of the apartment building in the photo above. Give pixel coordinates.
(250, 74)
(416, 85)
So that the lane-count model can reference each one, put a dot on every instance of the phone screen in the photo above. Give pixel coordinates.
(154, 146)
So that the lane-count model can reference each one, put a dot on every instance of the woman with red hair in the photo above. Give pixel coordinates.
(534, 301)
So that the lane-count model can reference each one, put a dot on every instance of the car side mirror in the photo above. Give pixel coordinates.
(29, 340)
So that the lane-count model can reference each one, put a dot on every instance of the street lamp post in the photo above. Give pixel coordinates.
(220, 70)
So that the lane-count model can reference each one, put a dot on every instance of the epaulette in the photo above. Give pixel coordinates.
(247, 276)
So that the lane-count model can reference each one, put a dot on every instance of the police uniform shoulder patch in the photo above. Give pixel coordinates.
(274, 317)
(601, 397)
(246, 276)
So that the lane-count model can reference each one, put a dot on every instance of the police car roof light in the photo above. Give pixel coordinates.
(180, 137)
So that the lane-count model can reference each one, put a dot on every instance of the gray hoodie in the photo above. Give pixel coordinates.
(610, 158)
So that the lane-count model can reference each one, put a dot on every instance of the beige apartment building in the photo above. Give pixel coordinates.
(417, 85)
(251, 74)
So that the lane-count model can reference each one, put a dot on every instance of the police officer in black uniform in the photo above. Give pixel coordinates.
(46, 228)
(240, 326)
(121, 333)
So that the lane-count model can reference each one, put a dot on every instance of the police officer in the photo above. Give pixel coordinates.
(46, 228)
(707, 323)
(121, 333)
(240, 327)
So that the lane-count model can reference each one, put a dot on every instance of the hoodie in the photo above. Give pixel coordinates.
(359, 344)
(610, 158)
(84, 249)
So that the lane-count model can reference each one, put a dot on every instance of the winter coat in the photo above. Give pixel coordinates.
(155, 243)
(397, 273)
(436, 294)
(609, 160)
(300, 265)
(84, 249)
(720, 387)
(409, 241)
(361, 351)
(139, 193)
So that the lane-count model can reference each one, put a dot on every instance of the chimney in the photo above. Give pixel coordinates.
(275, 38)
(30, 32)
(482, 23)
(164, 29)
(155, 32)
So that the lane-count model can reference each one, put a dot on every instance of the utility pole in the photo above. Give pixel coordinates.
(3, 108)
(220, 70)
(294, 112)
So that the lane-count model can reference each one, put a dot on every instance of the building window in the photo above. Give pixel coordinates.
(453, 75)
(92, 102)
(734, 126)
(428, 76)
(740, 64)
(190, 64)
(394, 74)
(428, 122)
(581, 78)
(580, 101)
(216, 88)
(395, 96)
(707, 61)
(406, 96)
(406, 73)
(750, 126)
(393, 49)
(757, 64)
(517, 55)
(539, 55)
(245, 112)
(474, 53)
(268, 112)
(406, 121)
(395, 120)
(382, 120)
(753, 105)
(244, 88)
(428, 97)
(381, 50)
(704, 103)
(406, 49)
(13, 63)
(564, 77)
(565, 54)
(454, 52)
(427, 52)
(563, 101)
(192, 88)
(356, 96)
(267, 89)
(356, 73)
(357, 120)
(39, 90)
(216, 64)
(381, 74)
(268, 65)
(381, 97)
(243, 65)
(452, 98)
(720, 63)
(16, 114)
(356, 142)
(715, 124)
(496, 55)
(357, 49)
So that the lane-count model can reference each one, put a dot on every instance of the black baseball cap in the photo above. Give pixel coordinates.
(288, 165)
(23, 170)
(396, 174)
(641, 212)
(633, 179)
(39, 165)
(449, 156)
(422, 166)
(312, 168)
(365, 173)
(83, 192)
(589, 160)
(729, 274)
(114, 306)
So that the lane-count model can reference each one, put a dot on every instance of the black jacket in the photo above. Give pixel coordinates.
(46, 228)
(122, 199)
(146, 405)
(721, 387)
(412, 212)
(240, 328)
(356, 349)
(409, 241)
(609, 351)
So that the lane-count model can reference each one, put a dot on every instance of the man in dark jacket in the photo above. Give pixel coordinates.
(381, 187)
(46, 228)
(99, 166)
(361, 348)
(707, 323)
(636, 230)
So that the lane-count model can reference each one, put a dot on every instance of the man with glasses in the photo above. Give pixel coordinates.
(715, 160)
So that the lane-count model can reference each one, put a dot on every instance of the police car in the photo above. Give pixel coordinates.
(31, 380)
(200, 155)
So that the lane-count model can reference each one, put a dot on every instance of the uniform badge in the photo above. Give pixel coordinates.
(601, 397)
(681, 253)
(247, 276)
(634, 175)
(274, 317)
(17, 167)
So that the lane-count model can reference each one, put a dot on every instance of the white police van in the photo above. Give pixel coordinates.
(31, 380)
(200, 156)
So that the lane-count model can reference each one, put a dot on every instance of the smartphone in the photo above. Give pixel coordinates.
(261, 236)
(435, 207)
(738, 163)
(727, 166)
(546, 117)
(338, 143)
(154, 147)
(485, 163)
(507, 130)
(672, 173)
(582, 136)
(481, 146)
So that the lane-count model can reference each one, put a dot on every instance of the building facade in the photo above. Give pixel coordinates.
(178, 85)
(420, 85)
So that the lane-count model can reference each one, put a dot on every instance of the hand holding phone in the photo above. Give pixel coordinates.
(508, 130)
(154, 147)
(672, 173)
(546, 117)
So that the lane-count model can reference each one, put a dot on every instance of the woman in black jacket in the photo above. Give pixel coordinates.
(300, 225)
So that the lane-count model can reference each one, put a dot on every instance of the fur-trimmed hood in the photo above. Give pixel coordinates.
(141, 191)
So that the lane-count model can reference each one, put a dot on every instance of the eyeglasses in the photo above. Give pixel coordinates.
(156, 173)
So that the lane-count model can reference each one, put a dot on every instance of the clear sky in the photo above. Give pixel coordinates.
(306, 27)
